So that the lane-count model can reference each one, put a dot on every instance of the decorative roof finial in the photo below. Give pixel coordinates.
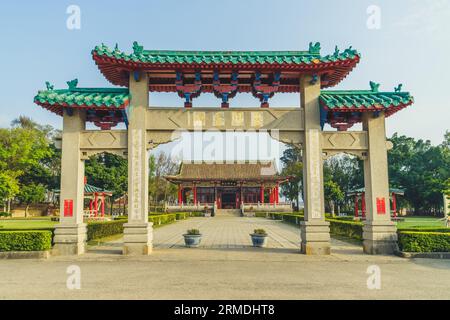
(314, 48)
(374, 86)
(398, 88)
(49, 86)
(72, 84)
(336, 51)
(116, 48)
(138, 49)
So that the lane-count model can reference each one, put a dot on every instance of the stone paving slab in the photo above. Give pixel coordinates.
(227, 232)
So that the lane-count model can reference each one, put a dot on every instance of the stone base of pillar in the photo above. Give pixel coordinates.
(315, 237)
(137, 240)
(380, 237)
(69, 240)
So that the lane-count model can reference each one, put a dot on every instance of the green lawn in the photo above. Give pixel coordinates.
(26, 223)
(420, 222)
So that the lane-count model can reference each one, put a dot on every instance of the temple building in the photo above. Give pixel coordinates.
(228, 185)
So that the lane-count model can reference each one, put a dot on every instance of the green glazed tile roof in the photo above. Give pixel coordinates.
(88, 189)
(84, 97)
(397, 191)
(227, 57)
(93, 189)
(360, 99)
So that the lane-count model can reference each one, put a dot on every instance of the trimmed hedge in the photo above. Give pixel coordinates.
(426, 229)
(342, 227)
(351, 229)
(410, 241)
(159, 220)
(96, 230)
(25, 240)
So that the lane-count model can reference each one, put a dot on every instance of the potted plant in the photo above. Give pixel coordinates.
(259, 238)
(192, 238)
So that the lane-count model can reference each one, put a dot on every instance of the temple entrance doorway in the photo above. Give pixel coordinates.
(229, 199)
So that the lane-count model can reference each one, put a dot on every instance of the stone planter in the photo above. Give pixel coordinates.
(259, 240)
(192, 240)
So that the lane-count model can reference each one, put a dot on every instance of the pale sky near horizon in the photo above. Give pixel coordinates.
(412, 47)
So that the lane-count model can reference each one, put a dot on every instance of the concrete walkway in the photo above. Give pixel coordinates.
(226, 267)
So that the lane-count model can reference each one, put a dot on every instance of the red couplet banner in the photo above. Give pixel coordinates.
(68, 208)
(381, 206)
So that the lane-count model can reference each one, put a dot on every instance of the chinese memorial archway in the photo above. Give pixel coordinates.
(224, 73)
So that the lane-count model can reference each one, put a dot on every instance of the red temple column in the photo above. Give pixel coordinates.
(261, 195)
(394, 205)
(96, 204)
(363, 205)
(103, 205)
(271, 196)
(195, 194)
(180, 194)
(90, 208)
(277, 199)
(356, 207)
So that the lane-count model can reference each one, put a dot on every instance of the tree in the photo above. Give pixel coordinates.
(22, 150)
(342, 174)
(31, 194)
(160, 190)
(9, 188)
(421, 169)
(333, 194)
(293, 168)
(109, 172)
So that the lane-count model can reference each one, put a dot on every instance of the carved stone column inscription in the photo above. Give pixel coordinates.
(315, 178)
(136, 163)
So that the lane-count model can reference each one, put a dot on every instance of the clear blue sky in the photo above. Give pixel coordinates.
(412, 47)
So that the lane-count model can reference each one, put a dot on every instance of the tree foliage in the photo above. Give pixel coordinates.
(422, 170)
(293, 168)
(24, 150)
(109, 172)
(160, 189)
(31, 194)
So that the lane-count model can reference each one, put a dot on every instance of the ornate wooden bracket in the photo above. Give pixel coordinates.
(343, 120)
(225, 91)
(265, 91)
(188, 91)
(105, 122)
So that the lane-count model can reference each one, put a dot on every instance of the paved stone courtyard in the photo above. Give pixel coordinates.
(226, 267)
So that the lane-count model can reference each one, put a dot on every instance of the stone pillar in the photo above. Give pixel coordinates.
(315, 231)
(70, 233)
(138, 232)
(379, 232)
